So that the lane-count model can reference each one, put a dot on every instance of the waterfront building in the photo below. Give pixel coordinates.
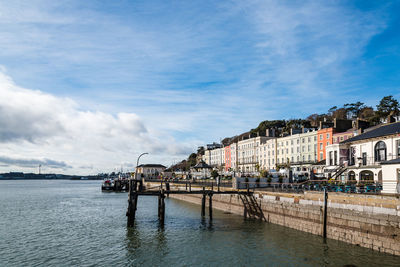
(371, 156)
(325, 138)
(267, 151)
(249, 153)
(207, 156)
(217, 158)
(228, 162)
(234, 156)
(306, 153)
(150, 170)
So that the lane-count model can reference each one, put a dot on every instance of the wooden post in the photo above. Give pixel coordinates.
(167, 188)
(203, 205)
(190, 187)
(248, 189)
(159, 205)
(132, 203)
(162, 215)
(210, 205)
(186, 185)
(245, 212)
(325, 212)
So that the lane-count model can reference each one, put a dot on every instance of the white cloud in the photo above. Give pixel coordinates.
(44, 126)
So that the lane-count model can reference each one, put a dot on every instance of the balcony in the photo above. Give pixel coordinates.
(368, 161)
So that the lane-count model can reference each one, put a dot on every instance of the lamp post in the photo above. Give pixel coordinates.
(137, 163)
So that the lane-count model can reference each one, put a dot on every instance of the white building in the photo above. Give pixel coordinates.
(371, 156)
(150, 170)
(267, 154)
(299, 149)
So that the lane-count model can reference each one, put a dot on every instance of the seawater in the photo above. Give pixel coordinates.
(73, 223)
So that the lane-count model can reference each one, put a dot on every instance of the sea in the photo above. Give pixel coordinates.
(74, 223)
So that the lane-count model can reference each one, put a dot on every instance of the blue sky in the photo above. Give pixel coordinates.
(167, 76)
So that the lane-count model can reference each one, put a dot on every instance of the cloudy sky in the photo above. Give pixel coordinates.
(86, 86)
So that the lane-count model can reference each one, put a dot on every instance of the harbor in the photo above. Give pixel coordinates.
(79, 225)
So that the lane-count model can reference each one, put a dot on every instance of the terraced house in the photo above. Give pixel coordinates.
(371, 156)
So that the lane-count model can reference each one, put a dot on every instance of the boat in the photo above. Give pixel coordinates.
(107, 185)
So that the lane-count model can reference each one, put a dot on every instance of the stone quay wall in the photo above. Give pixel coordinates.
(371, 221)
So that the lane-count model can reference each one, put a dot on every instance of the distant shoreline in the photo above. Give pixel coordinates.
(76, 179)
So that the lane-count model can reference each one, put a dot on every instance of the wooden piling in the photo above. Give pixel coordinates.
(325, 212)
(210, 205)
(167, 188)
(203, 205)
(162, 212)
(159, 206)
(132, 203)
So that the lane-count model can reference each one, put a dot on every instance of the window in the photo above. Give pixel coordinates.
(398, 148)
(321, 156)
(327, 143)
(291, 142)
(315, 138)
(320, 146)
(327, 136)
(380, 151)
(320, 137)
(303, 140)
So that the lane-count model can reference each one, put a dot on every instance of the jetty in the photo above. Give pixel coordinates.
(162, 189)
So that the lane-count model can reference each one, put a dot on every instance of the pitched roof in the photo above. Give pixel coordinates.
(388, 129)
(202, 165)
(393, 161)
(152, 166)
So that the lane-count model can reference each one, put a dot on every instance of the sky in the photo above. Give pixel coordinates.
(87, 86)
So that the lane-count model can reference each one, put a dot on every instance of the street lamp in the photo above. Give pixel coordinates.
(137, 163)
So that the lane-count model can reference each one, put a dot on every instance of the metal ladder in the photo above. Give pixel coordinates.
(251, 208)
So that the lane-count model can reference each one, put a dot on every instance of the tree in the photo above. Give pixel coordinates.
(353, 109)
(367, 113)
(340, 114)
(257, 167)
(214, 174)
(388, 105)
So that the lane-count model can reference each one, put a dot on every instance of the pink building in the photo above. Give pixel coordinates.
(339, 137)
(228, 163)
